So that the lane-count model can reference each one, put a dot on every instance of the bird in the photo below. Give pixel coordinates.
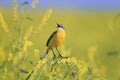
(55, 40)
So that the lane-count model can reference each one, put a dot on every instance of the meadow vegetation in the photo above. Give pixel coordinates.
(92, 44)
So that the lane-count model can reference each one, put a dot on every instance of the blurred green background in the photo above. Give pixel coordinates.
(88, 33)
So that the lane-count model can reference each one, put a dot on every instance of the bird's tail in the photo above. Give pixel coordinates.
(43, 56)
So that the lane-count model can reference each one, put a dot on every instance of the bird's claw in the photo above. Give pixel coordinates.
(62, 57)
(42, 57)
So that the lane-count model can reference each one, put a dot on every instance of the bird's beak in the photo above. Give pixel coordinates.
(58, 25)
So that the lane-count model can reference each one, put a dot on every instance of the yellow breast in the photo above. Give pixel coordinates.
(57, 39)
(60, 37)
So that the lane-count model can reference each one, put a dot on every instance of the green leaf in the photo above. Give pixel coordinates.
(113, 53)
(29, 18)
(23, 70)
(24, 3)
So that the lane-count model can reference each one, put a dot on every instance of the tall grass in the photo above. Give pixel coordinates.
(19, 60)
(3, 23)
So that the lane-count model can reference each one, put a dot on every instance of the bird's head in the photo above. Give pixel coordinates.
(60, 26)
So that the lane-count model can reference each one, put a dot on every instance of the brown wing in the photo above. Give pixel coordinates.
(51, 36)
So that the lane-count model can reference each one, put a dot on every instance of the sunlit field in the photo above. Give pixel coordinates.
(92, 44)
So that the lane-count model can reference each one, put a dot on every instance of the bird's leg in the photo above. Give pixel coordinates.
(53, 53)
(60, 54)
(42, 57)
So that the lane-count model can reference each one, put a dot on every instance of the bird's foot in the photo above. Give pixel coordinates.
(63, 57)
(42, 57)
(59, 57)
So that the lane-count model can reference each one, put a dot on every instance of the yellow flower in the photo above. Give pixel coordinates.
(34, 3)
(26, 45)
(37, 67)
(15, 10)
(44, 61)
(3, 77)
(36, 52)
(84, 70)
(26, 42)
(3, 23)
(45, 19)
(28, 33)
(10, 57)
(2, 55)
(16, 59)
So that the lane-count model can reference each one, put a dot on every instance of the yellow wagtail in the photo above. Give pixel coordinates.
(55, 40)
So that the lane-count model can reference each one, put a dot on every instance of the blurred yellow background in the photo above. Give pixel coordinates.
(93, 37)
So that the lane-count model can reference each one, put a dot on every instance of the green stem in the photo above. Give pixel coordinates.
(38, 76)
